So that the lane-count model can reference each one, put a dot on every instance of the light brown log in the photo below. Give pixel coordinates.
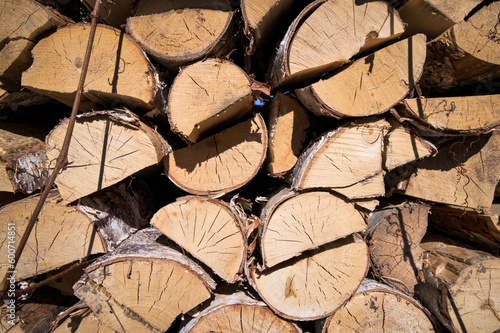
(15, 57)
(315, 284)
(23, 163)
(82, 321)
(106, 148)
(312, 44)
(464, 173)
(207, 97)
(12, 101)
(370, 85)
(222, 162)
(59, 230)
(466, 54)
(119, 72)
(394, 234)
(176, 38)
(145, 7)
(209, 230)
(462, 114)
(292, 223)
(433, 17)
(141, 279)
(377, 308)
(238, 313)
(461, 287)
(288, 124)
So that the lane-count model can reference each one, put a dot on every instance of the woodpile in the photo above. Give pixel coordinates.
(251, 166)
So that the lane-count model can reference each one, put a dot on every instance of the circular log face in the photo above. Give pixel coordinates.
(315, 285)
(307, 221)
(379, 311)
(208, 230)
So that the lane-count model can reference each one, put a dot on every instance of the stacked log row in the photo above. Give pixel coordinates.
(210, 186)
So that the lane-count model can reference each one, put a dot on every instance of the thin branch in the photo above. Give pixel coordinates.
(63, 155)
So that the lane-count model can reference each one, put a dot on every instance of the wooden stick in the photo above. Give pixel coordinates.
(62, 159)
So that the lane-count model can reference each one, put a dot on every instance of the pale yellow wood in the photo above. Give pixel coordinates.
(15, 57)
(103, 151)
(288, 124)
(58, 59)
(371, 85)
(314, 286)
(206, 96)
(178, 37)
(298, 223)
(462, 173)
(222, 162)
(370, 187)
(238, 313)
(146, 7)
(338, 30)
(5, 183)
(82, 323)
(60, 229)
(208, 230)
(377, 308)
(462, 113)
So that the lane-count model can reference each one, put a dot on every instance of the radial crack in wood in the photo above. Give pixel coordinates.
(371, 85)
(146, 7)
(208, 96)
(292, 223)
(106, 147)
(222, 162)
(83, 321)
(143, 285)
(209, 230)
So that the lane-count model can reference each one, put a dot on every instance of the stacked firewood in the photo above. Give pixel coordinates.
(253, 166)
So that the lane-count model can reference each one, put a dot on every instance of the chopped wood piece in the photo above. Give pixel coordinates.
(314, 285)
(311, 45)
(262, 18)
(461, 287)
(208, 96)
(378, 308)
(238, 313)
(178, 37)
(106, 147)
(141, 279)
(222, 162)
(394, 235)
(15, 57)
(145, 7)
(469, 226)
(209, 230)
(463, 173)
(119, 72)
(83, 321)
(288, 124)
(23, 163)
(467, 53)
(371, 85)
(463, 114)
(292, 223)
(60, 229)
(433, 17)
(12, 101)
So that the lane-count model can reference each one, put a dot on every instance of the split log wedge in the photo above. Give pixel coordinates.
(462, 114)
(288, 124)
(240, 313)
(466, 54)
(222, 162)
(119, 72)
(106, 147)
(60, 229)
(207, 97)
(145, 7)
(466, 170)
(178, 37)
(82, 321)
(378, 308)
(326, 34)
(143, 285)
(394, 235)
(209, 230)
(315, 284)
(371, 85)
(461, 287)
(15, 58)
(292, 223)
